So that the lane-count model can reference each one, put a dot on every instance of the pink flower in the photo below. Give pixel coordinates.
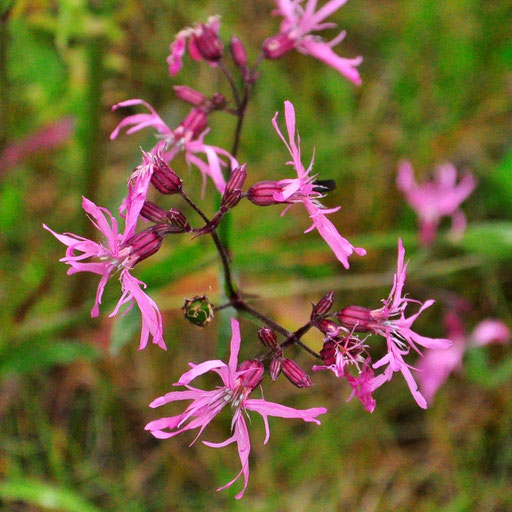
(238, 383)
(435, 199)
(437, 365)
(118, 253)
(298, 22)
(203, 43)
(390, 322)
(302, 190)
(342, 352)
(49, 137)
(187, 137)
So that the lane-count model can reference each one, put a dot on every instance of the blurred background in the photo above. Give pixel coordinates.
(74, 392)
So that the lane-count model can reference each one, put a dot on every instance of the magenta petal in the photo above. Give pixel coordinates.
(172, 397)
(199, 369)
(234, 345)
(98, 219)
(322, 51)
(272, 409)
(490, 330)
(241, 436)
(177, 49)
(150, 314)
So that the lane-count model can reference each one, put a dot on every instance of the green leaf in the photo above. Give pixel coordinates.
(44, 495)
(492, 239)
(33, 355)
(124, 330)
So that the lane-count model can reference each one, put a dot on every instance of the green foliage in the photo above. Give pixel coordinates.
(436, 82)
(39, 354)
(46, 496)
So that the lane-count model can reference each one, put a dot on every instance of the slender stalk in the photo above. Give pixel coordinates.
(228, 279)
(90, 140)
(241, 305)
(232, 83)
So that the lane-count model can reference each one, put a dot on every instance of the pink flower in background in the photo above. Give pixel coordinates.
(49, 137)
(301, 190)
(436, 199)
(390, 322)
(118, 253)
(298, 22)
(203, 43)
(238, 383)
(437, 365)
(187, 137)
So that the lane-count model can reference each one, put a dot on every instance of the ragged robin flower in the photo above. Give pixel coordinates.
(117, 254)
(299, 21)
(238, 382)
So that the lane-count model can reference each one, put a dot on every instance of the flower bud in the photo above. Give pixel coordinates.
(233, 192)
(356, 318)
(238, 52)
(274, 368)
(165, 229)
(328, 327)
(328, 353)
(262, 193)
(218, 101)
(144, 244)
(164, 179)
(253, 373)
(195, 122)
(323, 306)
(208, 43)
(268, 337)
(189, 95)
(198, 311)
(153, 212)
(176, 218)
(295, 374)
(276, 46)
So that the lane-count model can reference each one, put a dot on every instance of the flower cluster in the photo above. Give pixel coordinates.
(363, 346)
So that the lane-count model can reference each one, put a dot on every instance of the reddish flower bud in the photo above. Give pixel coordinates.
(355, 317)
(253, 375)
(164, 179)
(274, 368)
(208, 43)
(323, 306)
(176, 218)
(276, 46)
(144, 244)
(328, 353)
(195, 122)
(189, 95)
(268, 337)
(295, 374)
(233, 192)
(217, 102)
(238, 52)
(165, 229)
(262, 193)
(153, 212)
(328, 327)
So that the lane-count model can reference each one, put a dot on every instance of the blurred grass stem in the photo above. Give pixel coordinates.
(89, 140)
